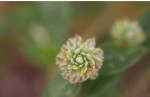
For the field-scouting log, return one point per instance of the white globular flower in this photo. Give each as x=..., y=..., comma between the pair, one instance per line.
x=79, y=60
x=125, y=32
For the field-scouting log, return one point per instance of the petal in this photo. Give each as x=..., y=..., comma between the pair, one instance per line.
x=60, y=63
x=60, y=56
x=99, y=52
x=90, y=42
x=78, y=38
x=94, y=76
x=64, y=48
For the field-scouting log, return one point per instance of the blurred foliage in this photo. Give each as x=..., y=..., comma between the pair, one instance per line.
x=118, y=59
x=40, y=28
x=103, y=86
x=59, y=87
x=145, y=22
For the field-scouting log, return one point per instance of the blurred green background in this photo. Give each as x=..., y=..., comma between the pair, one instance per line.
x=31, y=34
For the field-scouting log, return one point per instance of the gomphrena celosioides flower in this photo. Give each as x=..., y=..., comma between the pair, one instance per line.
x=79, y=60
x=127, y=33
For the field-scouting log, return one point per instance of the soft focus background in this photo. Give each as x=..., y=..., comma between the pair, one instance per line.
x=31, y=34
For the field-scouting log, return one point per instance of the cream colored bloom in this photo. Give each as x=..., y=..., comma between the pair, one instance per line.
x=126, y=32
x=79, y=60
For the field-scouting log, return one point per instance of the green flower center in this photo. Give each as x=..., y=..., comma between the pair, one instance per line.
x=79, y=59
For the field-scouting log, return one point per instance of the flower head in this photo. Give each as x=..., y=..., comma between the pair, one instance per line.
x=125, y=32
x=79, y=60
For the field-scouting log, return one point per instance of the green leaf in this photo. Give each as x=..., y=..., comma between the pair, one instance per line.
x=118, y=59
x=145, y=22
x=60, y=87
x=40, y=54
x=103, y=86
